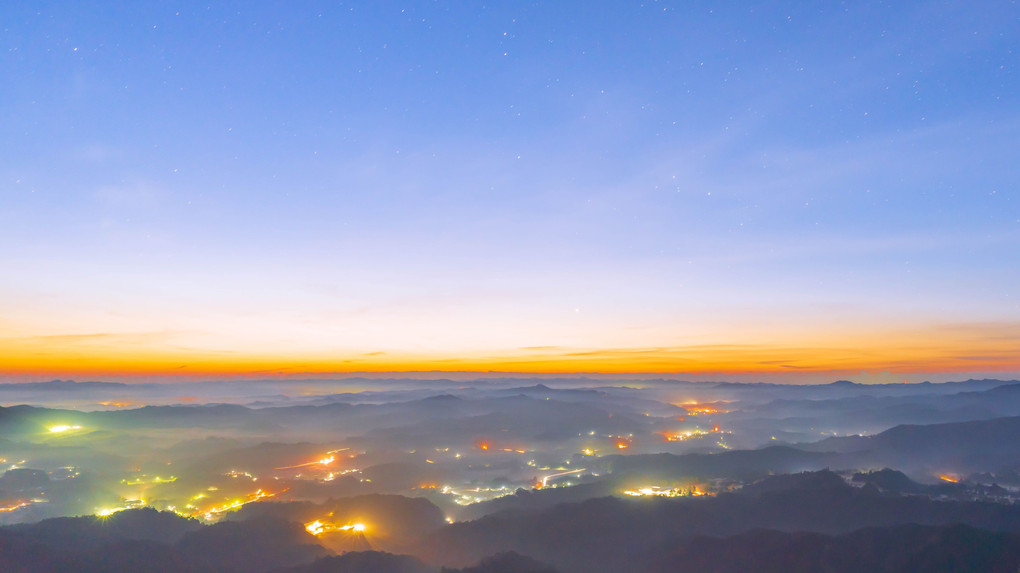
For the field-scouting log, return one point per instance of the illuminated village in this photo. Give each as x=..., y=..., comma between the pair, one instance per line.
x=455, y=473
x=411, y=470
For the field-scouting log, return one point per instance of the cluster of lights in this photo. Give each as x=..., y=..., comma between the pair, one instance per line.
x=656, y=491
x=486, y=446
x=128, y=504
x=16, y=506
x=232, y=505
x=695, y=409
x=327, y=459
x=545, y=480
x=318, y=527
x=200, y=505
x=476, y=495
x=621, y=442
x=692, y=434
x=142, y=480
x=703, y=410
x=323, y=462
x=333, y=475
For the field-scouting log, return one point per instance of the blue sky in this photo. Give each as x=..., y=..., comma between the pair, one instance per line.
x=436, y=180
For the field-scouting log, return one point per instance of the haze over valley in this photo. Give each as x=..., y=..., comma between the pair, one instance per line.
x=471, y=473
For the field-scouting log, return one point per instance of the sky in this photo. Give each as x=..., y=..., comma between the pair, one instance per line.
x=733, y=190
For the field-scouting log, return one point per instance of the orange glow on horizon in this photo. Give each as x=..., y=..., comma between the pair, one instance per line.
x=938, y=350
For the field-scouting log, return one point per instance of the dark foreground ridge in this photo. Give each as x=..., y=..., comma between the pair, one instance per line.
x=812, y=521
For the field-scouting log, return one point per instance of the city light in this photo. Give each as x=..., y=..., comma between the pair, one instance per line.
x=319, y=527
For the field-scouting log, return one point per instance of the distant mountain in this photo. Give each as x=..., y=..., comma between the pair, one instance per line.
x=1004, y=390
x=744, y=465
x=960, y=447
x=440, y=398
x=846, y=389
x=542, y=389
x=18, y=419
x=62, y=386
x=868, y=413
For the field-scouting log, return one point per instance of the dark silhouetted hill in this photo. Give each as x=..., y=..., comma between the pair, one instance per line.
x=889, y=480
x=90, y=532
x=393, y=522
x=148, y=540
x=902, y=549
x=606, y=534
x=362, y=562
x=63, y=386
x=745, y=465
x=896, y=482
x=258, y=544
x=506, y=562
x=23, y=478
x=127, y=557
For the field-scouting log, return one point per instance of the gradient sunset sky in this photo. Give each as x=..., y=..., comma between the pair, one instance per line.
x=725, y=190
